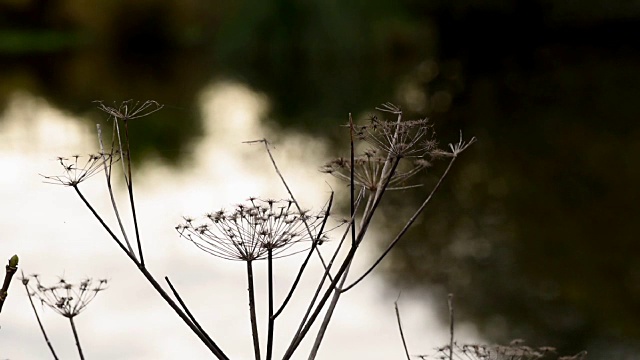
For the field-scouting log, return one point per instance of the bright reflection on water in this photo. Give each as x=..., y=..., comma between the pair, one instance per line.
x=54, y=234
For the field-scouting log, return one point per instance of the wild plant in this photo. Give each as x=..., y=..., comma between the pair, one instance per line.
x=65, y=298
x=266, y=229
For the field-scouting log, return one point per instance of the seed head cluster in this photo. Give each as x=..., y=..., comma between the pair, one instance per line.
x=391, y=141
x=251, y=229
x=368, y=170
x=77, y=169
x=65, y=298
x=128, y=110
x=514, y=351
x=411, y=138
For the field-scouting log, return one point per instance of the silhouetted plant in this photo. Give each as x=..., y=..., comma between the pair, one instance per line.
x=66, y=299
x=25, y=283
x=516, y=350
x=268, y=229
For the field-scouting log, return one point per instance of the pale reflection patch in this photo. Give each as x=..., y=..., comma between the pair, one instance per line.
x=55, y=234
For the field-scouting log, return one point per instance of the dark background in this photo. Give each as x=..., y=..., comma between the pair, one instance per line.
x=535, y=231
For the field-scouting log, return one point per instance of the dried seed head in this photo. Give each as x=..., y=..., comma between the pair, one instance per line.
x=251, y=230
x=370, y=171
x=399, y=138
x=128, y=110
x=65, y=298
x=75, y=170
x=514, y=351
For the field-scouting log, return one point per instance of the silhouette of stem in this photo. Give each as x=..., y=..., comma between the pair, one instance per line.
x=75, y=336
x=44, y=333
x=252, y=310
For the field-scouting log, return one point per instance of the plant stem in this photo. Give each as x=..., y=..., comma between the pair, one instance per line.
x=352, y=185
x=327, y=317
x=450, y=303
x=252, y=310
x=205, y=339
x=345, y=264
x=107, y=173
x=130, y=190
x=104, y=225
x=271, y=317
x=404, y=342
x=314, y=244
x=44, y=333
x=404, y=229
x=186, y=310
x=75, y=336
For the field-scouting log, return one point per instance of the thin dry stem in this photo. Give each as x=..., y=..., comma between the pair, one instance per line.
x=404, y=341
x=451, y=339
x=75, y=336
x=107, y=172
x=204, y=338
x=293, y=198
x=252, y=310
x=25, y=282
x=303, y=266
x=404, y=229
x=186, y=310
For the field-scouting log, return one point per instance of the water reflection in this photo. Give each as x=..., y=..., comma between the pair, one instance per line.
x=54, y=234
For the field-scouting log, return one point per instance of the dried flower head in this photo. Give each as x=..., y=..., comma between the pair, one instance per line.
x=65, y=298
x=251, y=229
x=399, y=138
x=77, y=168
x=514, y=351
x=369, y=171
x=129, y=109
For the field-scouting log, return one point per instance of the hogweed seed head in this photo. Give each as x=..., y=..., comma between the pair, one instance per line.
x=369, y=171
x=252, y=229
x=514, y=351
x=128, y=110
x=393, y=142
x=65, y=298
x=77, y=169
x=399, y=138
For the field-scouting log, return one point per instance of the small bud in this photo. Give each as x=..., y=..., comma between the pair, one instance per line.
x=13, y=261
